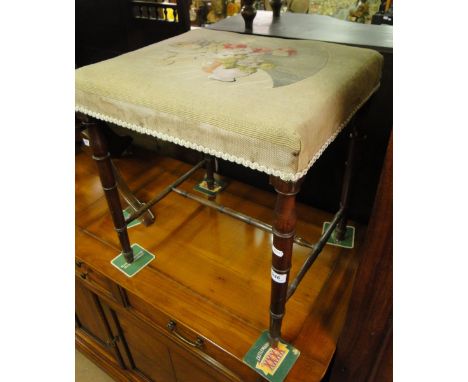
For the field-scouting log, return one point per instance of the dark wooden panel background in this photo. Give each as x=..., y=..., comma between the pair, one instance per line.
x=365, y=348
x=107, y=28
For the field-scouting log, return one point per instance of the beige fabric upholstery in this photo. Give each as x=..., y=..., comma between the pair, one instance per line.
x=269, y=104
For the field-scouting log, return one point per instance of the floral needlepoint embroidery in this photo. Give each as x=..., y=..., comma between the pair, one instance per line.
x=284, y=52
x=228, y=62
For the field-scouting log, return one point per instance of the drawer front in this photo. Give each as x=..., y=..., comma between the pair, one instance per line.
x=188, y=368
x=91, y=322
x=146, y=350
x=88, y=318
x=204, y=352
x=99, y=282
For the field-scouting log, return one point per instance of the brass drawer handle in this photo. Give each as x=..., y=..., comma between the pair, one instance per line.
x=84, y=275
x=172, y=326
x=78, y=263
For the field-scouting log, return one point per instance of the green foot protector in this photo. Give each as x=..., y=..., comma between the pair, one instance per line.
x=126, y=213
x=273, y=364
x=202, y=187
x=142, y=259
x=347, y=242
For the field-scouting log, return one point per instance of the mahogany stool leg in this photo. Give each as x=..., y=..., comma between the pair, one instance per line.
x=102, y=157
x=147, y=218
x=210, y=165
x=284, y=228
x=340, y=229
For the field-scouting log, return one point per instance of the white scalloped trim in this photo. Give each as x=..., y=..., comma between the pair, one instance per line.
x=288, y=177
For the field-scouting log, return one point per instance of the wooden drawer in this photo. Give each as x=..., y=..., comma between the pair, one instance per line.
x=188, y=368
x=199, y=348
x=91, y=323
x=98, y=282
x=87, y=315
x=147, y=353
x=152, y=353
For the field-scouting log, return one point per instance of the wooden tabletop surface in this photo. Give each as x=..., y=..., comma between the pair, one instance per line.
x=313, y=27
x=215, y=268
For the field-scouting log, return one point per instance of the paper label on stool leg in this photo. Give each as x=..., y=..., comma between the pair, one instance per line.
x=277, y=277
x=277, y=252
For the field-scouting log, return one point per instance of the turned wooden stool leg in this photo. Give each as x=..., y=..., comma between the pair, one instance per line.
x=102, y=157
x=284, y=228
x=210, y=165
x=147, y=218
x=276, y=7
x=340, y=229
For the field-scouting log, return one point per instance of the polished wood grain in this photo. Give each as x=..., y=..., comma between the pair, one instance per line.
x=102, y=358
x=212, y=273
x=365, y=347
x=188, y=369
x=149, y=355
x=87, y=315
x=91, y=321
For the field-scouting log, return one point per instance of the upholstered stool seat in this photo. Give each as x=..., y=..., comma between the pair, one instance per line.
x=269, y=104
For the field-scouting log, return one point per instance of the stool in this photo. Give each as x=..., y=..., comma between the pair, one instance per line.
x=202, y=89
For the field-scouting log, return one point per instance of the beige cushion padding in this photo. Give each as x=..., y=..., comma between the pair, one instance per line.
x=269, y=104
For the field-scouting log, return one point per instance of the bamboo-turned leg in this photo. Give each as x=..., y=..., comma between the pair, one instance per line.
x=147, y=218
x=210, y=165
x=340, y=229
x=283, y=237
x=102, y=157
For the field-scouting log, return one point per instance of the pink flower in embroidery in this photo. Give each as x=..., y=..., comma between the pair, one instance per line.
x=285, y=52
x=261, y=50
x=235, y=46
